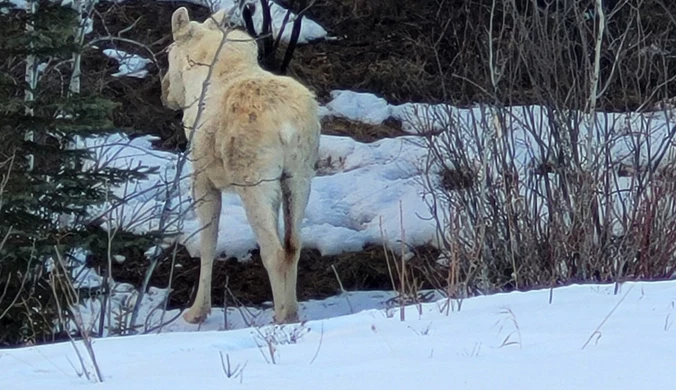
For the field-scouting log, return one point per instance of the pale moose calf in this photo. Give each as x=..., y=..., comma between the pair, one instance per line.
x=258, y=135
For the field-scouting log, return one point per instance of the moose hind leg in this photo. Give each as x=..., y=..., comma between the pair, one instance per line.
x=208, y=205
x=295, y=195
x=261, y=203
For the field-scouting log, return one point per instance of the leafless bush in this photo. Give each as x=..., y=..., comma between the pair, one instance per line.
x=269, y=338
x=557, y=192
x=63, y=289
x=406, y=285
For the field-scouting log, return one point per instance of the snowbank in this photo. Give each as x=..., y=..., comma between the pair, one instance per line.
x=506, y=341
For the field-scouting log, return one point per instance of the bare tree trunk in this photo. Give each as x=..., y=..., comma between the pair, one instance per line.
x=84, y=8
x=594, y=82
x=31, y=78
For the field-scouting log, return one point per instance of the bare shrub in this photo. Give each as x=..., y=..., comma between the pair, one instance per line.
x=557, y=192
x=63, y=289
x=269, y=338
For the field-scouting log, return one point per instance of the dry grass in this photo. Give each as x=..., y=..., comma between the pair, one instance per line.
x=248, y=281
x=360, y=131
x=564, y=216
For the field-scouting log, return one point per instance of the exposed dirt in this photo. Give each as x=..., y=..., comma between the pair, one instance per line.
x=375, y=49
x=360, y=131
x=248, y=281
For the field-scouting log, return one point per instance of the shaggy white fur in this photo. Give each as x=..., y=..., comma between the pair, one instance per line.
x=251, y=132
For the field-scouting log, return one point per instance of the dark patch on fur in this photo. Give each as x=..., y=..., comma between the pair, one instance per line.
x=252, y=117
x=289, y=249
x=290, y=245
x=231, y=151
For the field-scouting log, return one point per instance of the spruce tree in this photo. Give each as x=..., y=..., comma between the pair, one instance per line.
x=41, y=174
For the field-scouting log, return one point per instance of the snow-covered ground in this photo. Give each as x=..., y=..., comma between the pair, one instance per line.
x=362, y=188
x=506, y=341
x=355, y=201
x=356, y=339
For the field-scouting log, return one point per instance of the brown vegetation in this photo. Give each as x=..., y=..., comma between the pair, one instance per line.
x=248, y=281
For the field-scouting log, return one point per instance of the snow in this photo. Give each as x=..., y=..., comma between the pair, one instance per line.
x=359, y=191
x=524, y=139
x=130, y=65
x=508, y=341
x=528, y=129
x=361, y=188
x=357, y=198
x=309, y=30
x=419, y=117
x=153, y=317
x=363, y=107
x=515, y=340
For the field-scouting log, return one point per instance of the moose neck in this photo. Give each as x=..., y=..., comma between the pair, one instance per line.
x=207, y=88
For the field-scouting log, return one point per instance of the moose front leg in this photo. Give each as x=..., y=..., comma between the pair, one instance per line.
x=208, y=205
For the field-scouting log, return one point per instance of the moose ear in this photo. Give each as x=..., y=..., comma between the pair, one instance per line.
x=215, y=21
x=179, y=22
